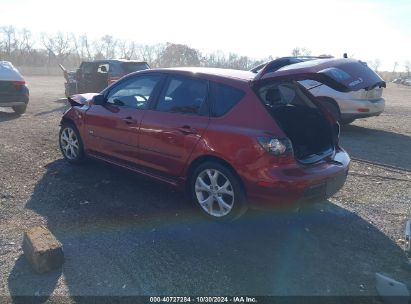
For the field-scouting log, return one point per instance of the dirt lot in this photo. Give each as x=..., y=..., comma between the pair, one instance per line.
x=125, y=235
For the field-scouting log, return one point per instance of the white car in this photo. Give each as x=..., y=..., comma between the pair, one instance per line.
x=350, y=106
x=346, y=107
x=13, y=89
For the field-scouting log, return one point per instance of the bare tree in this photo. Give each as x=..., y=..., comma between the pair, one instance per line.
x=297, y=51
x=375, y=64
x=58, y=46
x=85, y=46
x=9, y=38
x=24, y=42
x=77, y=49
x=126, y=49
x=98, y=49
x=407, y=66
x=108, y=46
x=150, y=53
x=395, y=66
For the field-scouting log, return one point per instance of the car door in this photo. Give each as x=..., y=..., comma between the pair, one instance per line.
x=112, y=128
x=172, y=128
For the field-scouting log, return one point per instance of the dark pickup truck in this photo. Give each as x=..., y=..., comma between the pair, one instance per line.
x=94, y=76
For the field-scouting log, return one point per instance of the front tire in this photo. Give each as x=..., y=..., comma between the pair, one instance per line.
x=217, y=192
x=71, y=145
x=19, y=109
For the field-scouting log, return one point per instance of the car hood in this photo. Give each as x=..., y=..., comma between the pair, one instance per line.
x=81, y=99
x=344, y=75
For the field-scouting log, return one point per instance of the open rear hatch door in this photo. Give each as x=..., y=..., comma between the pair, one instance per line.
x=311, y=128
x=343, y=75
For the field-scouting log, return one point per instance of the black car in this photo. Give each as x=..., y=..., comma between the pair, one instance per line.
x=13, y=89
x=94, y=76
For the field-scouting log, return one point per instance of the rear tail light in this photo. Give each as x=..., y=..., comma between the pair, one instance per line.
x=363, y=110
x=276, y=146
x=18, y=84
x=112, y=80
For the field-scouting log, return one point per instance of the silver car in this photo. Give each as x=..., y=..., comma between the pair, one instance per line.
x=350, y=106
x=346, y=107
x=14, y=92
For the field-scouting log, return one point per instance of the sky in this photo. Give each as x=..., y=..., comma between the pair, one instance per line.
x=365, y=29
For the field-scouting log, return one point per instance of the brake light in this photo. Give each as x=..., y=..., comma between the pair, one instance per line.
x=18, y=83
x=113, y=80
x=276, y=146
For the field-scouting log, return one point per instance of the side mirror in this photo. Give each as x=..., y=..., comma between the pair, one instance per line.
x=99, y=100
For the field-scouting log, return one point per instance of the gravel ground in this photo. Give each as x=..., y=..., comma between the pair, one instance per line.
x=125, y=235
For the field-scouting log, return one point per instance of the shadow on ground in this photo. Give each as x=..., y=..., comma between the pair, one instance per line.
x=53, y=109
x=23, y=282
x=6, y=116
x=124, y=235
x=377, y=146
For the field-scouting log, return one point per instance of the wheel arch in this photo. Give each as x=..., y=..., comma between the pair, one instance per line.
x=66, y=120
x=212, y=158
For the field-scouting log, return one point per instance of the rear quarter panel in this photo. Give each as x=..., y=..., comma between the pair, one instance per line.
x=233, y=138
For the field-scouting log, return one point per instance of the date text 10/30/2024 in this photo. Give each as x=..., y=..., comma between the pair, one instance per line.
x=166, y=299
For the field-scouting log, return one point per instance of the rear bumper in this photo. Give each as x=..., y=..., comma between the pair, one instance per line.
x=287, y=187
x=360, y=108
x=13, y=100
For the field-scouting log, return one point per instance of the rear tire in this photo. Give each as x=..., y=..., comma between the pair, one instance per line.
x=71, y=145
x=19, y=109
x=217, y=192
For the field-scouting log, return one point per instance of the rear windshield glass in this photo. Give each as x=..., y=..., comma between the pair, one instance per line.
x=9, y=72
x=280, y=94
x=130, y=67
x=226, y=97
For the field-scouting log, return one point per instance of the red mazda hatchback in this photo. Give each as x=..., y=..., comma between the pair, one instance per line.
x=232, y=139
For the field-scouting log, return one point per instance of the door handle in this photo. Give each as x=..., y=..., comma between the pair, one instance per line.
x=129, y=120
x=187, y=130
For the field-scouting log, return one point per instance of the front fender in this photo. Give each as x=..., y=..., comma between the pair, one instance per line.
x=75, y=115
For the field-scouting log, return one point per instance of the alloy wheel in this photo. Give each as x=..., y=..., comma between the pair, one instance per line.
x=214, y=192
x=69, y=143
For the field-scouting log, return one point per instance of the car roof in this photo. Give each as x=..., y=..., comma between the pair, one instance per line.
x=114, y=61
x=225, y=73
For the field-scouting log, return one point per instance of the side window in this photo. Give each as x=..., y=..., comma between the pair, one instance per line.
x=103, y=68
x=183, y=95
x=135, y=92
x=225, y=98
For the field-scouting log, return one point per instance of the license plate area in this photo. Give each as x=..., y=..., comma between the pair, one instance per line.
x=327, y=188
